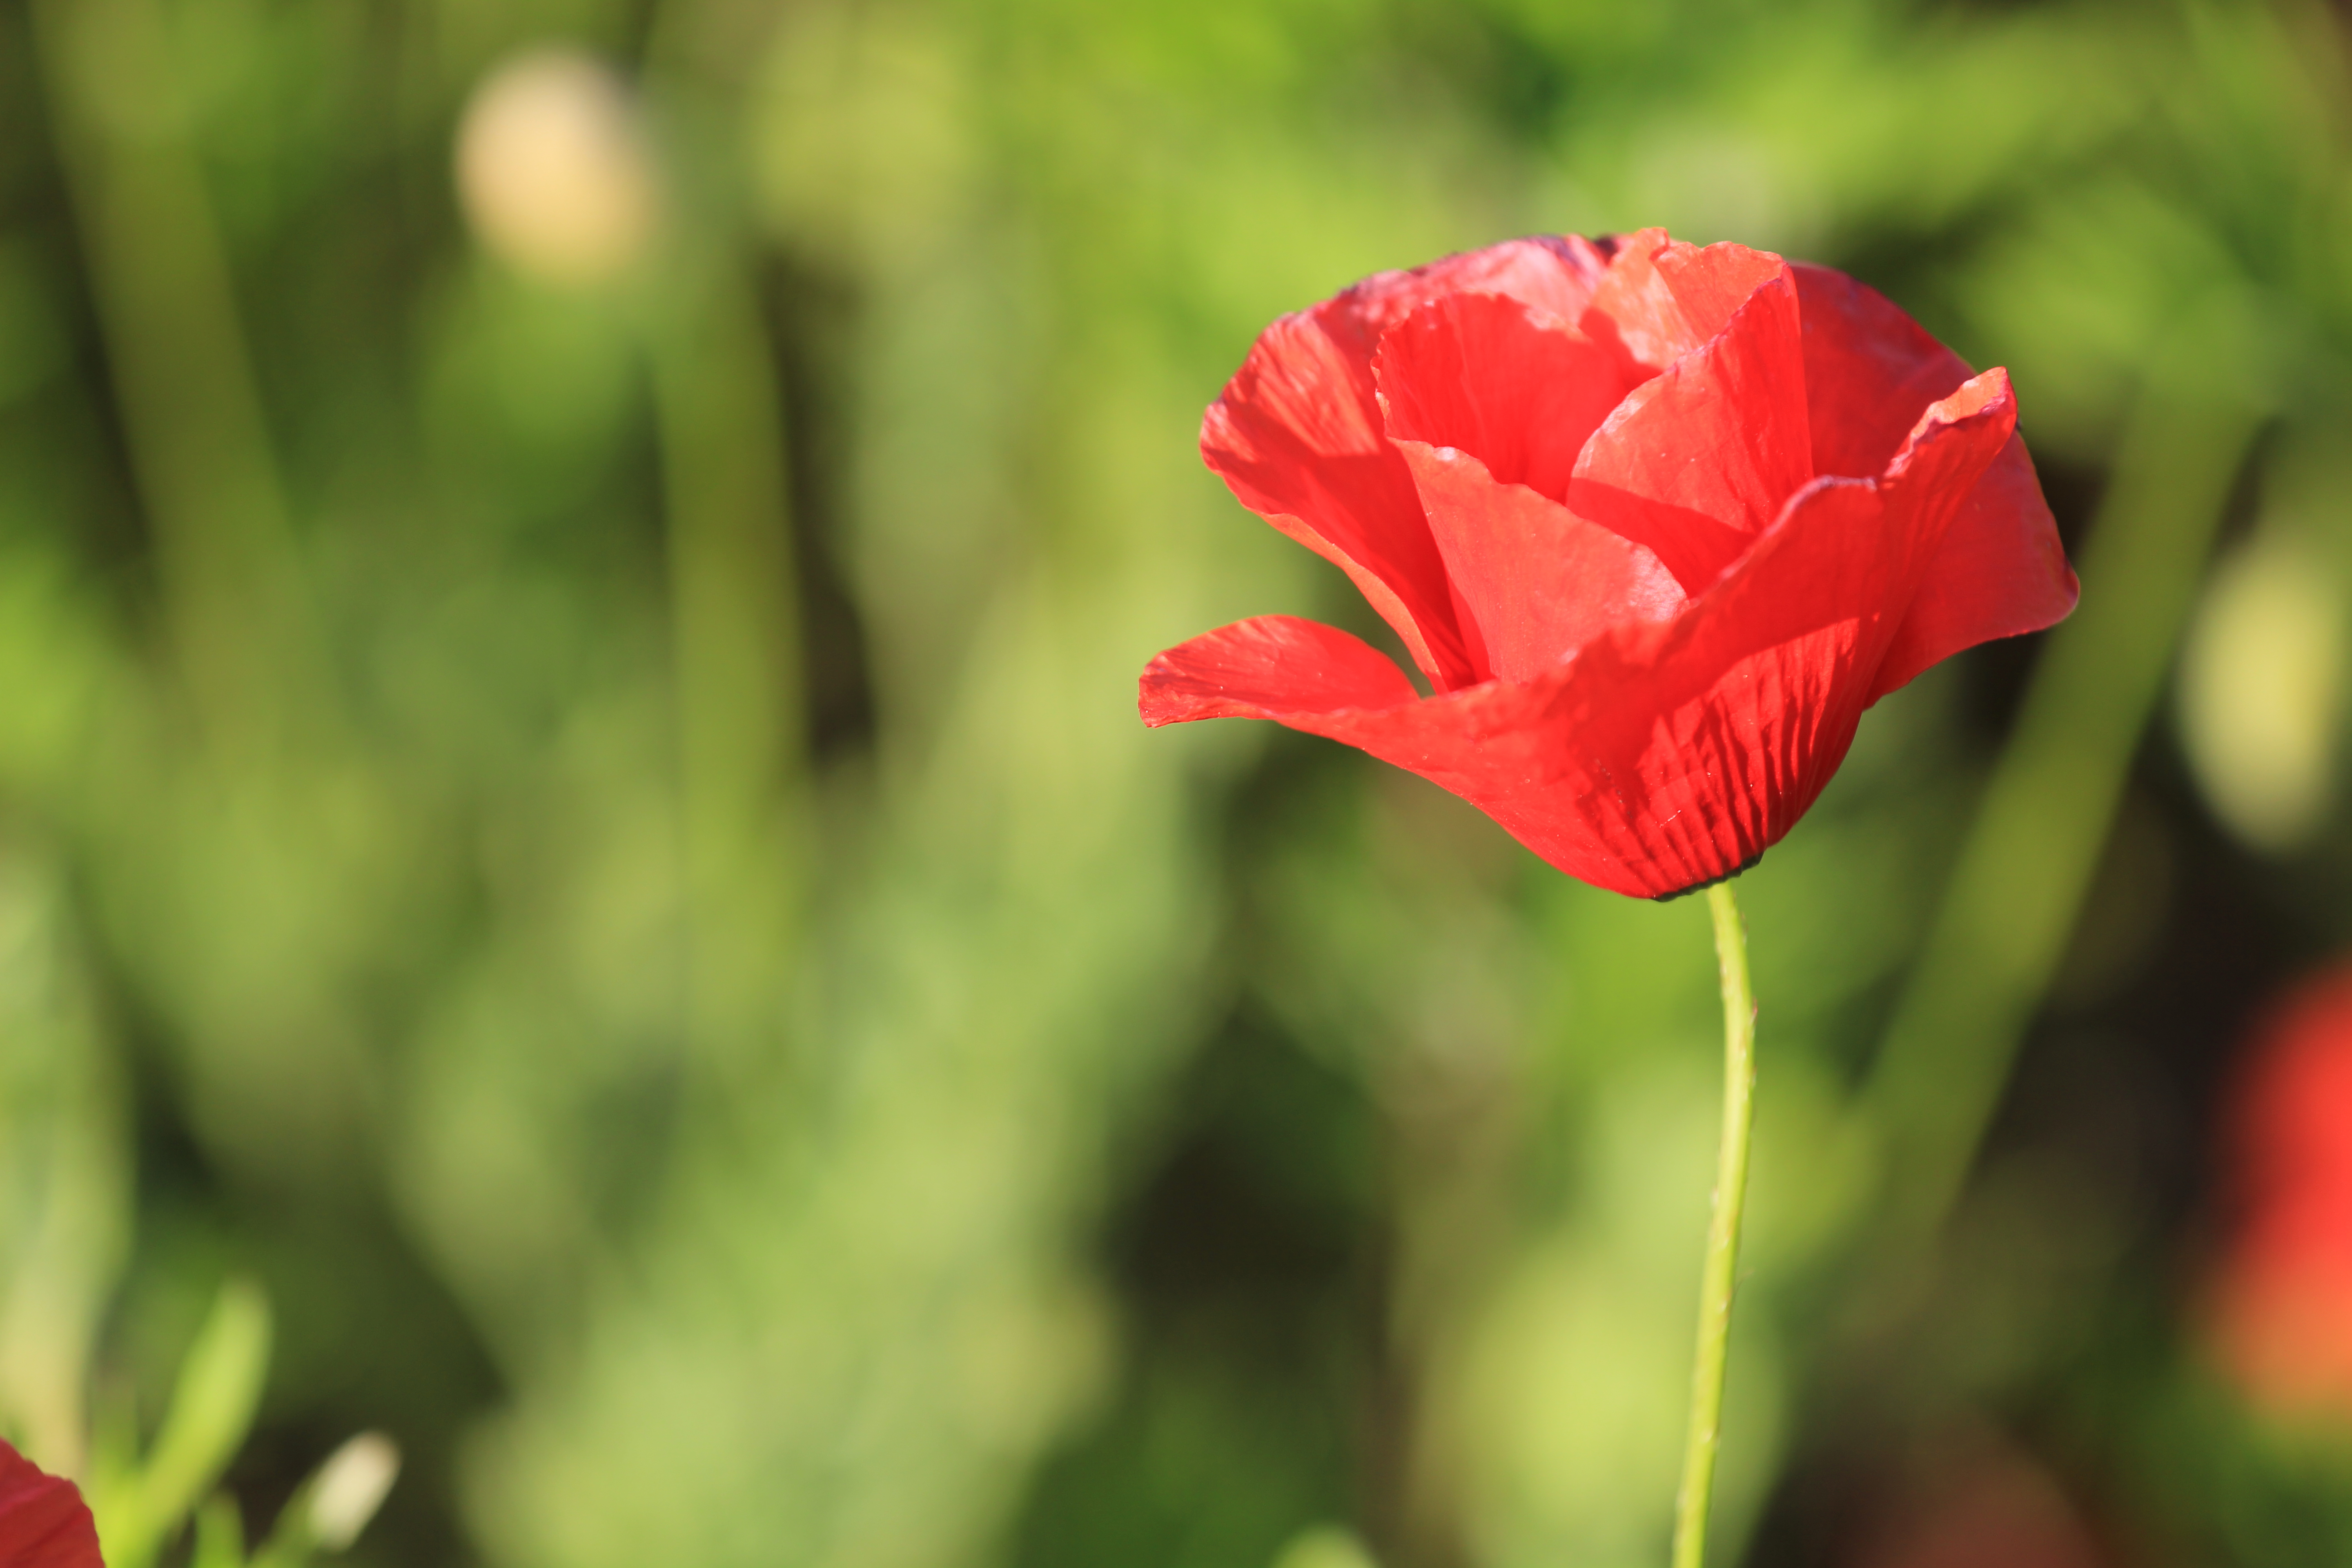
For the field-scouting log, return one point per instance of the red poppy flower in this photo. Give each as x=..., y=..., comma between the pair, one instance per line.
x=2282, y=1299
x=42, y=1523
x=1655, y=523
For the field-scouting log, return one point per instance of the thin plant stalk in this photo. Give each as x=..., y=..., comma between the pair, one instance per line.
x=182, y=372
x=2049, y=807
x=1719, y=1279
x=735, y=629
x=734, y=596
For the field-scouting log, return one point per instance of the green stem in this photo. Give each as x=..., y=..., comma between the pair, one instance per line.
x=736, y=652
x=181, y=369
x=1719, y=1279
x=734, y=600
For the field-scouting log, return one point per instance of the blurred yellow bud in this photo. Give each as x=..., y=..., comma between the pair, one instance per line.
x=2261, y=683
x=1324, y=1547
x=554, y=171
x=350, y=1487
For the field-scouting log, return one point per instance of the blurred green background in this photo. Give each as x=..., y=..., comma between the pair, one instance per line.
x=572, y=577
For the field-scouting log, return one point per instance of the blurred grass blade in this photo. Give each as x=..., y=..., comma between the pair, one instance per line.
x=220, y=1535
x=2014, y=896
x=65, y=1179
x=199, y=446
x=212, y=1410
x=735, y=629
x=735, y=603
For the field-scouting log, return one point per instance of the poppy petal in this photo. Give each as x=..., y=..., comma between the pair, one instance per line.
x=1299, y=442
x=1553, y=273
x=42, y=1522
x=1537, y=580
x=2002, y=570
x=1296, y=434
x=1869, y=369
x=1270, y=667
x=1662, y=299
x=1697, y=462
x=1999, y=571
x=1633, y=309
x=1519, y=391
x=1711, y=283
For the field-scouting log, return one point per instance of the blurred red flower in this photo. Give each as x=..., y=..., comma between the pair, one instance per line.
x=42, y=1523
x=1657, y=523
x=2280, y=1307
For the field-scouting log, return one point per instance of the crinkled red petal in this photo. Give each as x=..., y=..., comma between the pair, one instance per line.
x=2001, y=572
x=1520, y=391
x=1633, y=309
x=43, y=1523
x=1270, y=665
x=1711, y=283
x=1490, y=401
x=1697, y=462
x=1555, y=274
x=1537, y=580
x=1298, y=444
x=1298, y=434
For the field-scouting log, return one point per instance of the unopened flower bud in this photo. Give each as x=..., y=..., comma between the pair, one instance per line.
x=554, y=169
x=350, y=1487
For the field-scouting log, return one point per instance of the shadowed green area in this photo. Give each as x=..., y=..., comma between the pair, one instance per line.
x=571, y=577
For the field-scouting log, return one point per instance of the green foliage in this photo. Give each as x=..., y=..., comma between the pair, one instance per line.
x=577, y=813
x=144, y=1502
x=139, y=1502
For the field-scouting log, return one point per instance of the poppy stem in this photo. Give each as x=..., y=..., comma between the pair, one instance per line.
x=1719, y=1279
